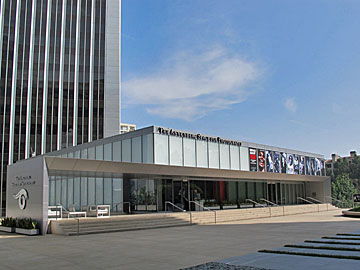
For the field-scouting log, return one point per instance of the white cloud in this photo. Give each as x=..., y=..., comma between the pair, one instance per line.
x=191, y=84
x=291, y=105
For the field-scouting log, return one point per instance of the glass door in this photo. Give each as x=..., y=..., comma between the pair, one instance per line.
x=181, y=194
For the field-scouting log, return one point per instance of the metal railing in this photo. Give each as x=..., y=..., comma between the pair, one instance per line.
x=173, y=205
x=269, y=202
x=208, y=209
x=305, y=200
x=336, y=200
x=315, y=200
x=255, y=203
x=123, y=204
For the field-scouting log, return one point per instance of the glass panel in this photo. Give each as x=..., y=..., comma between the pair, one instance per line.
x=251, y=190
x=84, y=153
x=107, y=152
x=224, y=156
x=77, y=154
x=126, y=150
x=70, y=186
x=189, y=152
x=77, y=193
x=147, y=149
x=99, y=191
x=161, y=149
x=244, y=159
x=176, y=153
x=91, y=191
x=84, y=187
x=136, y=149
x=213, y=155
x=201, y=154
x=117, y=194
x=100, y=152
x=58, y=190
x=234, y=157
x=63, y=191
x=117, y=151
x=52, y=185
x=260, y=191
x=242, y=191
x=91, y=153
x=107, y=191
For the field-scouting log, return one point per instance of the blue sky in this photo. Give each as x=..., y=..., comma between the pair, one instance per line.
x=284, y=73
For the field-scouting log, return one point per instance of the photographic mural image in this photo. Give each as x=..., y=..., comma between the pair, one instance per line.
x=317, y=167
x=283, y=162
x=269, y=161
x=253, y=160
x=261, y=160
x=302, y=165
x=277, y=162
x=308, y=166
x=290, y=164
x=313, y=166
x=296, y=164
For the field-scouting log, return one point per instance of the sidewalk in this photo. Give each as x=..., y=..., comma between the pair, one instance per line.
x=170, y=248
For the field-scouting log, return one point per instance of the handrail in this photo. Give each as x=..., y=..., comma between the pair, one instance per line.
x=305, y=200
x=315, y=200
x=167, y=202
x=269, y=202
x=256, y=203
x=336, y=200
x=123, y=203
x=208, y=209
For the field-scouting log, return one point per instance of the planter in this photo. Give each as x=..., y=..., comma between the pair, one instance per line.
x=27, y=231
x=7, y=229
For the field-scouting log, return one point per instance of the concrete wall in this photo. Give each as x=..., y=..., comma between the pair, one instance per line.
x=318, y=190
x=31, y=177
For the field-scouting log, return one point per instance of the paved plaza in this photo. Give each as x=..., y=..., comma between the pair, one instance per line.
x=170, y=248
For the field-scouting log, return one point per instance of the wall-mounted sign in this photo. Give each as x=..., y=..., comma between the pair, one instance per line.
x=21, y=196
x=182, y=134
x=261, y=160
x=356, y=197
x=253, y=160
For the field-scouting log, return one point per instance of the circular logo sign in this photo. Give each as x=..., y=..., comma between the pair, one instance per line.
x=21, y=196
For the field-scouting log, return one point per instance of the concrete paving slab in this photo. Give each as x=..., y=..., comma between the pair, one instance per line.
x=293, y=262
x=168, y=248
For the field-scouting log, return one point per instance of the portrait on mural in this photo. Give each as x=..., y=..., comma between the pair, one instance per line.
x=277, y=162
x=283, y=162
x=261, y=160
x=290, y=164
x=308, y=165
x=296, y=164
x=301, y=165
x=269, y=161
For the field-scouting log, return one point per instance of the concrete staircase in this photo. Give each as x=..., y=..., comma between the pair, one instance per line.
x=117, y=223
x=161, y=220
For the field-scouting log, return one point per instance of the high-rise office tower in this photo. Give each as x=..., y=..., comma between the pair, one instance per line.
x=59, y=75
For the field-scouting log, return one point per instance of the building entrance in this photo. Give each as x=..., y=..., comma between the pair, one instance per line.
x=181, y=194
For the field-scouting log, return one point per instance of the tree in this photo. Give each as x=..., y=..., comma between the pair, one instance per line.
x=342, y=188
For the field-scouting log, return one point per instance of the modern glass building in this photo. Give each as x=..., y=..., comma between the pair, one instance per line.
x=59, y=76
x=150, y=169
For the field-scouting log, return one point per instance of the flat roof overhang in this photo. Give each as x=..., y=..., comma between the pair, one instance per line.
x=68, y=165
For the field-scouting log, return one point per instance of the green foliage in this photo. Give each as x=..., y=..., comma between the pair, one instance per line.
x=343, y=167
x=342, y=188
x=26, y=223
x=8, y=222
x=356, y=209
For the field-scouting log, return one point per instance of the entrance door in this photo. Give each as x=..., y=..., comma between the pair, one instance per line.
x=272, y=192
x=181, y=194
